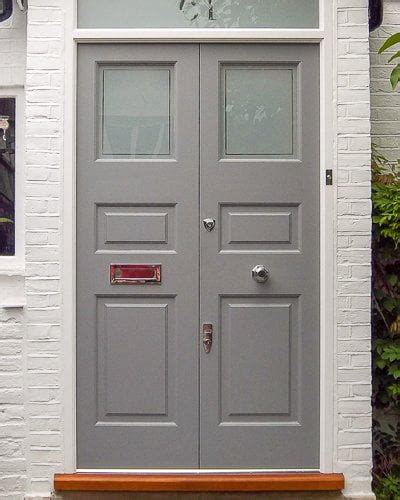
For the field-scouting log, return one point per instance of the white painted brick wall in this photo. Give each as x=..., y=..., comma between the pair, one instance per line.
x=12, y=408
x=385, y=103
x=34, y=446
x=44, y=143
x=353, y=431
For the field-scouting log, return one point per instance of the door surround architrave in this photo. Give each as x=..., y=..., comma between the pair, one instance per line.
x=323, y=36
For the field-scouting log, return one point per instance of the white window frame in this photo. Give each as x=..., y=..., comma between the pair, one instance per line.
x=14, y=264
x=326, y=37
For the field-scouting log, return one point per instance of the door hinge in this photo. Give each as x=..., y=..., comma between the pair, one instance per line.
x=329, y=177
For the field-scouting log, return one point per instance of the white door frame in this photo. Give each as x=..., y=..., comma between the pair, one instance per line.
x=325, y=36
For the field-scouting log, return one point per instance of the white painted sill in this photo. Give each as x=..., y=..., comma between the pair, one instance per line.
x=12, y=288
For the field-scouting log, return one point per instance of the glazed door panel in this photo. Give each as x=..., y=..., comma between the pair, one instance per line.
x=259, y=156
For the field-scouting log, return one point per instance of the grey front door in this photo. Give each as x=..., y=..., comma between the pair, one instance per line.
x=259, y=167
x=168, y=136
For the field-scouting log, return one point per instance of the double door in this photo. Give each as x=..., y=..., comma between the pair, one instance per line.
x=198, y=256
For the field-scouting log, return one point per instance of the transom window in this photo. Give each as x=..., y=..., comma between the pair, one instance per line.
x=198, y=14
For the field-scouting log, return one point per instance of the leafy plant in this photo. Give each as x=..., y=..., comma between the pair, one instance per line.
x=387, y=461
x=386, y=325
x=386, y=313
x=389, y=43
x=388, y=488
x=386, y=198
x=386, y=282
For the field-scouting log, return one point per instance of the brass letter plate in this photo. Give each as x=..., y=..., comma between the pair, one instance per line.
x=135, y=274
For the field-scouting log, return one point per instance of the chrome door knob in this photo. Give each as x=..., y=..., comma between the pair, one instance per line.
x=260, y=273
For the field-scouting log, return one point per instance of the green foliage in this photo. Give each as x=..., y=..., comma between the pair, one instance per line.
x=387, y=207
x=387, y=461
x=386, y=312
x=388, y=488
x=387, y=365
x=389, y=43
x=386, y=325
x=386, y=282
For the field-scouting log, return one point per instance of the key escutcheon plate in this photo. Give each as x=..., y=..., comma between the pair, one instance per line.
x=209, y=224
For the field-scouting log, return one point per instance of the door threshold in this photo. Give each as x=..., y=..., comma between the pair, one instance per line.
x=233, y=482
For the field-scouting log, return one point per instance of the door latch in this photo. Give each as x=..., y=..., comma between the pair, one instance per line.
x=329, y=177
x=207, y=336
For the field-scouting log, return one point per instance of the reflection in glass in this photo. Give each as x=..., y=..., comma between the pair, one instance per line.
x=7, y=176
x=198, y=14
x=258, y=111
x=136, y=111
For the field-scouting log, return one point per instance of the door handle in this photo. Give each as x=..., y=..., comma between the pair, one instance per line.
x=207, y=337
x=260, y=274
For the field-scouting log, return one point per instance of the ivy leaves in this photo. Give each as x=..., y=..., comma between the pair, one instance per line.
x=387, y=206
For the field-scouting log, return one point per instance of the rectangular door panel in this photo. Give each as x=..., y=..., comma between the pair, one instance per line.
x=136, y=340
x=259, y=359
x=259, y=228
x=137, y=197
x=136, y=228
x=259, y=136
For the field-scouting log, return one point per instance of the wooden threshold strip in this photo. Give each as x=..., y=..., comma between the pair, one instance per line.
x=199, y=482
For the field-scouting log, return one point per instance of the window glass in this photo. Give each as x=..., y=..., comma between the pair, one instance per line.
x=7, y=176
x=136, y=111
x=259, y=110
x=198, y=13
x=5, y=9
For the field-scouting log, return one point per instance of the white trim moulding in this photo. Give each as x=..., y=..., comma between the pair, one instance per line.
x=199, y=35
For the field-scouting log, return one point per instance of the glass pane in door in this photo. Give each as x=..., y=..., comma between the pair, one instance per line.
x=259, y=110
x=135, y=111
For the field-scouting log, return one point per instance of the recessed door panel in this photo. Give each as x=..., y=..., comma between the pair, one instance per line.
x=259, y=228
x=259, y=366
x=136, y=339
x=136, y=228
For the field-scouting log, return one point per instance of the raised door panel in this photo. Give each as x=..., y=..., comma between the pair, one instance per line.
x=259, y=359
x=136, y=365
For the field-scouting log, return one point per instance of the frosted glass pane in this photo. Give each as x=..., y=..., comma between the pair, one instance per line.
x=258, y=111
x=136, y=111
x=198, y=13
